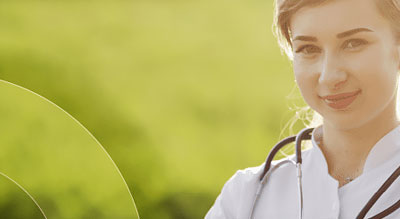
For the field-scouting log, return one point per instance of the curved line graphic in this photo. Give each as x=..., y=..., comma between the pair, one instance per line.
x=23, y=189
x=94, y=138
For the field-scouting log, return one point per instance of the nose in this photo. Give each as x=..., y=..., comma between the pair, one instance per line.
x=333, y=75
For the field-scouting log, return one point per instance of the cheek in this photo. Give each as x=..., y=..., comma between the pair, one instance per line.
x=301, y=73
x=306, y=81
x=366, y=69
x=376, y=73
x=376, y=70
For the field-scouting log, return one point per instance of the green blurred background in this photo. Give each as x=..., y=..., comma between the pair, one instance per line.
x=181, y=93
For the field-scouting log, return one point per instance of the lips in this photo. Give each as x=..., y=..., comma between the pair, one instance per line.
x=341, y=101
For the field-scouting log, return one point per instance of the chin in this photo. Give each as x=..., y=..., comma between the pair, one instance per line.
x=352, y=119
x=344, y=119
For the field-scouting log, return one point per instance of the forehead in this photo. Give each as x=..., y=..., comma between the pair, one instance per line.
x=337, y=16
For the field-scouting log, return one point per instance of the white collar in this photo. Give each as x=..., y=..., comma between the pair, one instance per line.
x=383, y=150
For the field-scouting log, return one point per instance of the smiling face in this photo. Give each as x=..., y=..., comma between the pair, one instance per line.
x=346, y=62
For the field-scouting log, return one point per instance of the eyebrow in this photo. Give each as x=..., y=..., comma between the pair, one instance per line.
x=340, y=35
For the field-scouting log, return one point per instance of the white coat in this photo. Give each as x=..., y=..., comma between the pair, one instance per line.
x=323, y=199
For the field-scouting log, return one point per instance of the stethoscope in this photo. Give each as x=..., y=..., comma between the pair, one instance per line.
x=305, y=134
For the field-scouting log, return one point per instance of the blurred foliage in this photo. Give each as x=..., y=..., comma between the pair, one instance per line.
x=14, y=203
x=51, y=158
x=180, y=93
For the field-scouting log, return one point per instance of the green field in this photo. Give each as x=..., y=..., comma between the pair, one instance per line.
x=180, y=93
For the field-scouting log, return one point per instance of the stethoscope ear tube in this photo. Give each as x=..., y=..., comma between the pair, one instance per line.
x=303, y=135
x=273, y=152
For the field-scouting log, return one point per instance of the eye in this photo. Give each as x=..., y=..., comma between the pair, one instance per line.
x=308, y=49
x=354, y=44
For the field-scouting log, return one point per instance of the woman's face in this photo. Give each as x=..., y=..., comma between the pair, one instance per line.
x=346, y=48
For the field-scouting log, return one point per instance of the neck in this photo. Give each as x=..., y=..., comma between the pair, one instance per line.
x=346, y=150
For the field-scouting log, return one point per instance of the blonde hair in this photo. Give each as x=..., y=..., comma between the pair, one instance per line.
x=285, y=9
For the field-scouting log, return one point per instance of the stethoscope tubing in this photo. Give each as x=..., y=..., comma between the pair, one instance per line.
x=389, y=181
x=305, y=134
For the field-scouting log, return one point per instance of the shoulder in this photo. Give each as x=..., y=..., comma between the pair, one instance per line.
x=233, y=193
x=238, y=192
x=246, y=175
x=251, y=175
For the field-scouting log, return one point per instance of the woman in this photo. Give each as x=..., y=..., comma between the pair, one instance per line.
x=346, y=61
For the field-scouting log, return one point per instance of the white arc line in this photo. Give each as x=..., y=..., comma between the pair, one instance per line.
x=23, y=189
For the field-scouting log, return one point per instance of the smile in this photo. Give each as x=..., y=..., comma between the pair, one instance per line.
x=341, y=101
